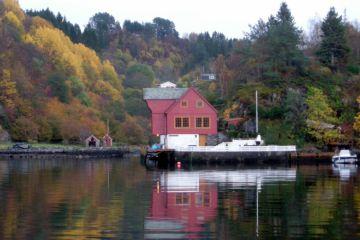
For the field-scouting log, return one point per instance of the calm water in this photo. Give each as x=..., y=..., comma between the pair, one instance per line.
x=112, y=199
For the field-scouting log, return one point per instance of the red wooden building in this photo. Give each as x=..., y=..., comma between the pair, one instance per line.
x=182, y=117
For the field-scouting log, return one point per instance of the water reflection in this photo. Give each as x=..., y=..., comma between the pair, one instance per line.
x=72, y=199
x=345, y=171
x=184, y=202
x=120, y=199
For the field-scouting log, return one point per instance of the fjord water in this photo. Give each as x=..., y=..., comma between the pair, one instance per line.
x=120, y=199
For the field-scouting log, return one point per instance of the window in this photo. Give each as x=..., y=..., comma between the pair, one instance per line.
x=182, y=198
x=185, y=122
x=199, y=122
x=202, y=122
x=199, y=104
x=202, y=199
x=206, y=122
x=184, y=104
x=178, y=123
x=182, y=122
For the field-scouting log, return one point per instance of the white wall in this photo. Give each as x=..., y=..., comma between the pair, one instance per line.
x=162, y=139
x=182, y=140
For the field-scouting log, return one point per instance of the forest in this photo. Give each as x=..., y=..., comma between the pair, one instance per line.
x=59, y=83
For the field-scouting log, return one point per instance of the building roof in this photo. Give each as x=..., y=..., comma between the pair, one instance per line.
x=92, y=136
x=163, y=93
x=168, y=85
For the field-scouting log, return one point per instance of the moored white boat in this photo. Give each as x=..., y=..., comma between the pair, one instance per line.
x=344, y=156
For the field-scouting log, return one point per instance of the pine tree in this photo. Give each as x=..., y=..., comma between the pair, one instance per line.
x=284, y=39
x=277, y=44
x=333, y=51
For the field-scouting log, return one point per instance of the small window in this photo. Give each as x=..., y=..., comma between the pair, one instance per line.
x=184, y=104
x=185, y=122
x=199, y=122
x=206, y=122
x=178, y=122
x=199, y=104
x=206, y=199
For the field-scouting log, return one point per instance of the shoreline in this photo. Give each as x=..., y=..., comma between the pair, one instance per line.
x=77, y=153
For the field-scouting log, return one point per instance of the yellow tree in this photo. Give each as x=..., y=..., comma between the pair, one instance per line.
x=8, y=91
x=321, y=118
x=357, y=119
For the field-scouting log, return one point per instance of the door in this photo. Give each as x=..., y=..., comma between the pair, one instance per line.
x=202, y=140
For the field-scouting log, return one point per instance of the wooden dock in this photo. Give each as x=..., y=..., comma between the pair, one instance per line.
x=165, y=158
x=170, y=157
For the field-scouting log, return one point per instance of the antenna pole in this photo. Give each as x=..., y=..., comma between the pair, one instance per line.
x=257, y=114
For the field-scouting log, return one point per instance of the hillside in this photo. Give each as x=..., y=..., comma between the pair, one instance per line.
x=51, y=88
x=60, y=83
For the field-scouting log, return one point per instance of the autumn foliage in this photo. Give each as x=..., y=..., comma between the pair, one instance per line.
x=50, y=88
x=307, y=81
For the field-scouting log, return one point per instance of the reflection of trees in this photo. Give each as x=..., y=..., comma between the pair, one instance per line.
x=79, y=199
x=67, y=199
x=316, y=205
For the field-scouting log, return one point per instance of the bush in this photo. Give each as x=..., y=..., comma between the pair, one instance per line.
x=24, y=129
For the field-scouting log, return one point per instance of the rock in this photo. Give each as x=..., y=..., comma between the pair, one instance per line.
x=214, y=140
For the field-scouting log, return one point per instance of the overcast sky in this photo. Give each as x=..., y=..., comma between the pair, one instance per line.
x=231, y=17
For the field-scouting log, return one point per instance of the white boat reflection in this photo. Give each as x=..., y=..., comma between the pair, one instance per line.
x=345, y=171
x=182, y=181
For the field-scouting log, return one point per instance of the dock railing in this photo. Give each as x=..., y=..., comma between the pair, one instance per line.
x=270, y=148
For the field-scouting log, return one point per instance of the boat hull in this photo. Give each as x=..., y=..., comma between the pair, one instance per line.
x=344, y=160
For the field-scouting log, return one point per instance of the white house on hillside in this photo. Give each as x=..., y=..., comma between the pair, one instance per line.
x=168, y=85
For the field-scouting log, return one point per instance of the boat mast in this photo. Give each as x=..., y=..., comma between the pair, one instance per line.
x=257, y=114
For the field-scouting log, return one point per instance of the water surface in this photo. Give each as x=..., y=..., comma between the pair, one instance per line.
x=120, y=199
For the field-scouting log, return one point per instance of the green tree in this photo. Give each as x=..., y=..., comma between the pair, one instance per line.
x=100, y=31
x=295, y=111
x=139, y=76
x=321, y=118
x=59, y=88
x=333, y=50
x=71, y=30
x=134, y=104
x=276, y=46
x=285, y=38
x=165, y=28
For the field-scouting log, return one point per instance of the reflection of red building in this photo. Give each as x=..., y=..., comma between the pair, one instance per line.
x=181, y=213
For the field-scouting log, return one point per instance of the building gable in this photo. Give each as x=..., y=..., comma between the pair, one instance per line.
x=191, y=96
